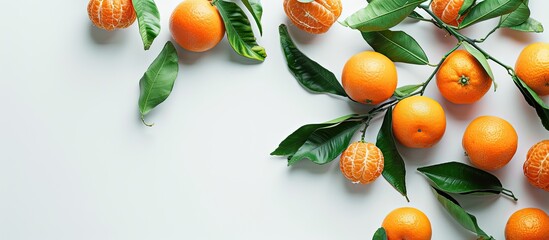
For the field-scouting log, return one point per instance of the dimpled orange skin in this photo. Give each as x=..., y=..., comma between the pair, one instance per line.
x=407, y=224
x=111, y=14
x=196, y=25
x=369, y=77
x=418, y=122
x=527, y=224
x=361, y=162
x=532, y=67
x=536, y=166
x=448, y=11
x=315, y=17
x=461, y=79
x=490, y=142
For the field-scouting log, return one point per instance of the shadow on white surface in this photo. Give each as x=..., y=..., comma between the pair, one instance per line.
x=461, y=112
x=103, y=37
x=300, y=37
x=525, y=38
x=534, y=194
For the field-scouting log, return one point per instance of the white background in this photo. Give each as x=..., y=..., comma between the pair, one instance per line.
x=78, y=164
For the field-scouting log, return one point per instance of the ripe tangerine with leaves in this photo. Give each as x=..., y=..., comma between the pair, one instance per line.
x=448, y=11
x=369, y=77
x=418, y=122
x=527, y=223
x=407, y=223
x=490, y=142
x=313, y=17
x=461, y=78
x=536, y=166
x=196, y=25
x=532, y=67
x=361, y=162
x=111, y=14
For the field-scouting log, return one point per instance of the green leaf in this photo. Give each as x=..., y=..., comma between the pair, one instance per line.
x=489, y=9
x=466, y=6
x=380, y=234
x=381, y=15
x=455, y=177
x=405, y=91
x=325, y=144
x=517, y=17
x=307, y=72
x=148, y=20
x=157, y=82
x=397, y=46
x=415, y=15
x=482, y=60
x=394, y=171
x=531, y=25
x=239, y=31
x=465, y=219
x=255, y=8
x=294, y=141
x=534, y=100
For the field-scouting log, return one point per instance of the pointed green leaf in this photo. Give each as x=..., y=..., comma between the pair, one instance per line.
x=325, y=144
x=148, y=20
x=255, y=8
x=467, y=4
x=534, y=100
x=517, y=17
x=380, y=234
x=531, y=25
x=397, y=46
x=381, y=15
x=489, y=9
x=405, y=91
x=239, y=31
x=294, y=141
x=455, y=177
x=482, y=60
x=157, y=82
x=465, y=219
x=394, y=170
x=307, y=72
x=415, y=15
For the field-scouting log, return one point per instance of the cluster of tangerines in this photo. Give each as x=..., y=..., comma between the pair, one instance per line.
x=489, y=142
x=195, y=25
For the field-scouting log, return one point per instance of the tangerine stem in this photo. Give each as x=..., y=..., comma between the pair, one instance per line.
x=462, y=38
x=487, y=35
x=509, y=193
x=146, y=124
x=422, y=91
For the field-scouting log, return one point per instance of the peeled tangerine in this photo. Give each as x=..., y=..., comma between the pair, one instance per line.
x=361, y=162
x=111, y=14
x=536, y=166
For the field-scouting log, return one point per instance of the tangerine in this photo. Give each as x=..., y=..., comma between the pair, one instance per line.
x=532, y=67
x=536, y=166
x=369, y=77
x=407, y=223
x=314, y=17
x=418, y=122
x=461, y=79
x=490, y=142
x=527, y=223
x=448, y=11
x=111, y=14
x=361, y=162
x=196, y=25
